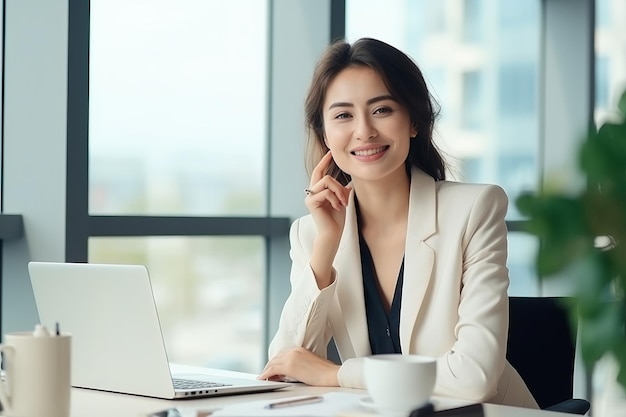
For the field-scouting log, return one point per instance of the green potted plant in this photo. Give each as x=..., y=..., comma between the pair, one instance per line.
x=582, y=236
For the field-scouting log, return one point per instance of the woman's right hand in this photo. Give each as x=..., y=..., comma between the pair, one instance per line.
x=326, y=199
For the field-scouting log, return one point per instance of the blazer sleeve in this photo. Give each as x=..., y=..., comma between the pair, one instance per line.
x=473, y=366
x=304, y=318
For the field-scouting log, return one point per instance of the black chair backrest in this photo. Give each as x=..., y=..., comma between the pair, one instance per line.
x=541, y=347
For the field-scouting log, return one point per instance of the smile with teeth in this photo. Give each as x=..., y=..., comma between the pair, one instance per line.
x=369, y=152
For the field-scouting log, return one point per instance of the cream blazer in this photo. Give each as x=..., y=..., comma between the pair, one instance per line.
x=454, y=296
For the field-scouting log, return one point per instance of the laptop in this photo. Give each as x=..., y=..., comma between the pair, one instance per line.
x=117, y=343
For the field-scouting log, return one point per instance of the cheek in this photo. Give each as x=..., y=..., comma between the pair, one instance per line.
x=334, y=137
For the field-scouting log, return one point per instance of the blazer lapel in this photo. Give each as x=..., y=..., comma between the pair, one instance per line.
x=350, y=285
x=418, y=255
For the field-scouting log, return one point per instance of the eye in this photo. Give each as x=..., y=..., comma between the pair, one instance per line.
x=382, y=110
x=342, y=116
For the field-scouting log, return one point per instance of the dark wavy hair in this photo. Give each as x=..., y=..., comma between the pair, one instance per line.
x=406, y=85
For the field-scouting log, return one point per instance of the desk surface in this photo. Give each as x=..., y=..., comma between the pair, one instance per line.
x=103, y=404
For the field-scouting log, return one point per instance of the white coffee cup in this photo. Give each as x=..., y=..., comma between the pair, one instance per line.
x=37, y=369
x=399, y=383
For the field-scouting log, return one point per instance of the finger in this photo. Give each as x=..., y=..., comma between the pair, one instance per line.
x=276, y=362
x=342, y=193
x=327, y=182
x=330, y=197
x=271, y=373
x=320, y=169
x=272, y=362
x=337, y=188
x=266, y=372
x=267, y=377
x=263, y=375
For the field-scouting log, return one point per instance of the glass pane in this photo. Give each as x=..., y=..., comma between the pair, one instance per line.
x=481, y=59
x=610, y=58
x=177, y=107
x=209, y=293
x=522, y=253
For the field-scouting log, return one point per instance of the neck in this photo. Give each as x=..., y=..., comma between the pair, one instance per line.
x=383, y=204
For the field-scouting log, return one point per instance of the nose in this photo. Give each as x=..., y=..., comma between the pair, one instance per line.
x=365, y=129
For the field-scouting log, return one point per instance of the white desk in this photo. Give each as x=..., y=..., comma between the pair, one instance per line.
x=89, y=403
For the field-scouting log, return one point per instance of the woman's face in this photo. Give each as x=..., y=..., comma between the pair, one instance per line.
x=368, y=132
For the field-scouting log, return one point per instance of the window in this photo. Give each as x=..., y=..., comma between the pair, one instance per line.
x=610, y=70
x=177, y=127
x=514, y=13
x=602, y=82
x=177, y=121
x=473, y=25
x=603, y=13
x=473, y=109
x=208, y=291
x=517, y=90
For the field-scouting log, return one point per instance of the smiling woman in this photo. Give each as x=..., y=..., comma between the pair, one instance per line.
x=392, y=258
x=390, y=86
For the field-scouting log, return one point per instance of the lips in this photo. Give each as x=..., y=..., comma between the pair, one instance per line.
x=371, y=151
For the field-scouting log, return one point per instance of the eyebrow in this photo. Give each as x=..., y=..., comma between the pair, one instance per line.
x=368, y=102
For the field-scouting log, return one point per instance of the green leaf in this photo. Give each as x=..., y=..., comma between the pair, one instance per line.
x=603, y=156
x=567, y=226
x=601, y=332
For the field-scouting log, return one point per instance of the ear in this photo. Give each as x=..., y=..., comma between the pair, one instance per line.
x=413, y=130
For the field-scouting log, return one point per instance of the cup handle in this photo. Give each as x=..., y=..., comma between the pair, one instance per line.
x=5, y=399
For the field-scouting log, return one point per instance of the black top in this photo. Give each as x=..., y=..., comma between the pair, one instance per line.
x=383, y=327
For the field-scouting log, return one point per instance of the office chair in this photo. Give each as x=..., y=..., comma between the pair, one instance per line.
x=542, y=347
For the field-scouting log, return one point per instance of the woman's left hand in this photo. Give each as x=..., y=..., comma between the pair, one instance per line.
x=302, y=365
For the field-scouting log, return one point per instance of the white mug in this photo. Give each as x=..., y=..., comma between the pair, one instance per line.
x=399, y=383
x=37, y=369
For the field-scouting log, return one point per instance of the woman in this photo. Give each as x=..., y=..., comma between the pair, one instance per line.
x=392, y=257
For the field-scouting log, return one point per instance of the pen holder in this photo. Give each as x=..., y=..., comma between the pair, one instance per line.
x=37, y=369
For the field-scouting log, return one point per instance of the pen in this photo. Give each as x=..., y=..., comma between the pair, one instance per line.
x=296, y=401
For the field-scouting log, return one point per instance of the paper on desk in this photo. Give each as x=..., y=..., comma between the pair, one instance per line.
x=334, y=404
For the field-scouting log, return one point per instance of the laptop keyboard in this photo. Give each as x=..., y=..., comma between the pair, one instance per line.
x=186, y=384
